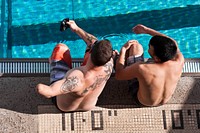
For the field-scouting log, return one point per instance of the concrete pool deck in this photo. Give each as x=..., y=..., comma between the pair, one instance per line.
x=22, y=110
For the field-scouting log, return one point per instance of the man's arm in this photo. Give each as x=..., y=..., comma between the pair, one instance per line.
x=141, y=29
x=88, y=38
x=64, y=86
x=122, y=72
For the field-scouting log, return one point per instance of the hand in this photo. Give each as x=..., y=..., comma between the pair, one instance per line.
x=73, y=25
x=129, y=44
x=115, y=55
x=138, y=29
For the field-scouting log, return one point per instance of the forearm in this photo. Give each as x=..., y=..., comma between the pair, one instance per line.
x=54, y=89
x=141, y=29
x=153, y=32
x=88, y=38
x=122, y=56
x=120, y=63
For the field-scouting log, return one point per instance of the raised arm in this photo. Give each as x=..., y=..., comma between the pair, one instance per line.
x=141, y=29
x=88, y=38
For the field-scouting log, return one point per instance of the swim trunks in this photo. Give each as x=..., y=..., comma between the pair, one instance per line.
x=134, y=59
x=58, y=69
x=133, y=83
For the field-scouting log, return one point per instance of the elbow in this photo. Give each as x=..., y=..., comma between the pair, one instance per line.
x=43, y=90
x=117, y=76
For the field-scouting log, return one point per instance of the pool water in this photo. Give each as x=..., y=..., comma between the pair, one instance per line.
x=34, y=25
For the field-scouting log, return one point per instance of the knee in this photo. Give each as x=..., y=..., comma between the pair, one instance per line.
x=62, y=46
x=136, y=49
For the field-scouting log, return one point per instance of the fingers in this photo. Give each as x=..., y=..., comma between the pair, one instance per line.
x=130, y=43
x=70, y=21
x=138, y=29
x=72, y=25
x=134, y=29
x=115, y=52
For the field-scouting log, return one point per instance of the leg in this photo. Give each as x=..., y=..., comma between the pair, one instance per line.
x=60, y=62
x=61, y=52
x=135, y=54
x=136, y=50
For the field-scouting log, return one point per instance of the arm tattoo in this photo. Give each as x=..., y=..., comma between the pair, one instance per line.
x=108, y=69
x=69, y=84
x=90, y=37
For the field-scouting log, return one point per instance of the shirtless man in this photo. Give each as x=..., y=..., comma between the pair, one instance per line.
x=78, y=89
x=153, y=83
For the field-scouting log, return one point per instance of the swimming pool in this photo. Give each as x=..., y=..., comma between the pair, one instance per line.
x=30, y=29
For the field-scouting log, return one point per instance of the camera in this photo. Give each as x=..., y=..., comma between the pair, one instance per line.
x=64, y=25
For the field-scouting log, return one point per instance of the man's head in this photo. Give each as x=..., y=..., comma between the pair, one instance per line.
x=162, y=47
x=101, y=52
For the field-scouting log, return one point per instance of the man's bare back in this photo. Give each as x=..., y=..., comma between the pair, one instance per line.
x=84, y=85
x=158, y=82
x=80, y=88
x=157, y=79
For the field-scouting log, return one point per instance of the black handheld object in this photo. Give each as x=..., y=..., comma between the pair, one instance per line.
x=64, y=25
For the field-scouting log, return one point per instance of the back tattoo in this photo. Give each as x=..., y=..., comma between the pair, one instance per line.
x=100, y=78
x=72, y=82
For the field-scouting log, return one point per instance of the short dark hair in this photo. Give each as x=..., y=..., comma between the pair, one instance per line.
x=164, y=47
x=101, y=52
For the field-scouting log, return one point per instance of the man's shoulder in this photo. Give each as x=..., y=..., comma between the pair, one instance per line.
x=149, y=67
x=78, y=72
x=110, y=62
x=179, y=57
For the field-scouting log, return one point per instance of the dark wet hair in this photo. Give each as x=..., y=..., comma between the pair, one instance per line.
x=164, y=47
x=101, y=52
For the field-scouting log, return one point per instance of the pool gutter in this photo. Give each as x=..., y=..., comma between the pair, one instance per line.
x=39, y=67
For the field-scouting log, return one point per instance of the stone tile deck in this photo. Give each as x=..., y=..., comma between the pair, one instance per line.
x=22, y=110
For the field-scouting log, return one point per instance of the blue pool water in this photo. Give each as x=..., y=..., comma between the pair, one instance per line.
x=35, y=24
